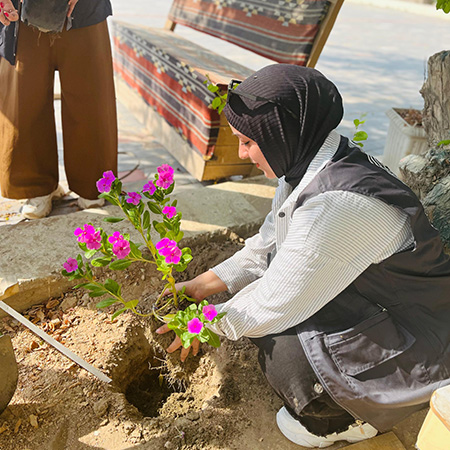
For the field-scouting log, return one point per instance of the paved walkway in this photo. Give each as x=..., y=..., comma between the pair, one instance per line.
x=376, y=55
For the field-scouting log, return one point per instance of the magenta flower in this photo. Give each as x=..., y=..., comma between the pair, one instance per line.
x=85, y=233
x=169, y=211
x=116, y=236
x=71, y=265
x=89, y=236
x=165, y=168
x=209, y=312
x=165, y=180
x=195, y=325
x=104, y=184
x=164, y=245
x=172, y=255
x=121, y=248
x=134, y=198
x=149, y=187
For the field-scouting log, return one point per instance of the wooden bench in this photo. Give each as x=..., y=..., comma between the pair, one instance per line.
x=160, y=75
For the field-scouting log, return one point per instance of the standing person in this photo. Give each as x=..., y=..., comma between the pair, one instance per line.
x=81, y=54
x=346, y=288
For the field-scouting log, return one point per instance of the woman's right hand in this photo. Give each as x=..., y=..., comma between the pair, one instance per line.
x=8, y=12
x=202, y=286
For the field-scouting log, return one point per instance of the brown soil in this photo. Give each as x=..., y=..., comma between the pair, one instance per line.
x=411, y=116
x=217, y=400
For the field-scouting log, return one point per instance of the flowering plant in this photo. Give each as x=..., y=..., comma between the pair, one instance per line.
x=118, y=251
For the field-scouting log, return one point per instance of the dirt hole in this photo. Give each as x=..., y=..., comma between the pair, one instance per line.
x=150, y=389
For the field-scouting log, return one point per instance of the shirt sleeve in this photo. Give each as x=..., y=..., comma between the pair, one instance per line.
x=250, y=263
x=331, y=240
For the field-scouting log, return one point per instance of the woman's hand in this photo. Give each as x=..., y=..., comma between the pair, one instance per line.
x=72, y=4
x=176, y=344
x=8, y=12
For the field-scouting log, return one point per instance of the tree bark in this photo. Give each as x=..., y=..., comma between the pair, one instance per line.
x=429, y=175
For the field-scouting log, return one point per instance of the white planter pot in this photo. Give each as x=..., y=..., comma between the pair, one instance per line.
x=402, y=139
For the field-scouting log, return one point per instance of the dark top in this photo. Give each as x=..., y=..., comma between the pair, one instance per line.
x=382, y=346
x=86, y=13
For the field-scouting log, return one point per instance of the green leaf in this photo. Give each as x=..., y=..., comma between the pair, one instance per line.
x=131, y=304
x=213, y=339
x=154, y=208
x=170, y=189
x=80, y=260
x=159, y=227
x=187, y=338
x=120, y=264
x=105, y=303
x=213, y=88
x=90, y=253
x=146, y=220
x=101, y=262
x=112, y=286
x=134, y=250
x=216, y=103
x=97, y=293
x=80, y=285
x=360, y=136
x=444, y=142
x=92, y=286
x=118, y=312
x=113, y=219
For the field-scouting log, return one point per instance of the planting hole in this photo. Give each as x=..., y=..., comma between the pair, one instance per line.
x=149, y=391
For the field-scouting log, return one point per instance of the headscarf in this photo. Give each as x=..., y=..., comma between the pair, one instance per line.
x=289, y=144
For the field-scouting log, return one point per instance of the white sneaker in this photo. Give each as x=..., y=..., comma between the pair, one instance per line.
x=84, y=203
x=298, y=434
x=39, y=207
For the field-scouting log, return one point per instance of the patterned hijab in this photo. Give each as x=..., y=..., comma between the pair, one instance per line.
x=288, y=111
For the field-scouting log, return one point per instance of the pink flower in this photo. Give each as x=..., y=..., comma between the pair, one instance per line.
x=149, y=187
x=134, y=198
x=121, y=248
x=165, y=168
x=169, y=211
x=209, y=311
x=165, y=180
x=116, y=236
x=165, y=244
x=168, y=248
x=104, y=184
x=173, y=256
x=71, y=265
x=83, y=234
x=195, y=325
x=89, y=236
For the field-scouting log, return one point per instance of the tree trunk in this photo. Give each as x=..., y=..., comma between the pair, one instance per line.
x=429, y=175
x=436, y=96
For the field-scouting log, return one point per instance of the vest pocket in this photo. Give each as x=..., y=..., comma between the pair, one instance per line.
x=368, y=344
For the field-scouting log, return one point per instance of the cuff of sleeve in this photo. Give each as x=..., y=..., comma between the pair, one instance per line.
x=232, y=275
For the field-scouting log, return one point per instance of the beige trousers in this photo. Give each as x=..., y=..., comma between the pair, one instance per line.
x=28, y=146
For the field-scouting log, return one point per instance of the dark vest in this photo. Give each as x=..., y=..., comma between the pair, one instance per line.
x=382, y=346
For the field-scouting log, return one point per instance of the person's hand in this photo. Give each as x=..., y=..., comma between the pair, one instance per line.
x=8, y=12
x=176, y=344
x=72, y=4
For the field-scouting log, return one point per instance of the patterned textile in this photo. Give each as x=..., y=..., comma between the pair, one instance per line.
x=282, y=30
x=168, y=72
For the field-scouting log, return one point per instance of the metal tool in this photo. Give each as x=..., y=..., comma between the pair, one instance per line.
x=53, y=342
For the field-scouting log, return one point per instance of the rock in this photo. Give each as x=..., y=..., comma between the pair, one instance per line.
x=182, y=422
x=85, y=299
x=100, y=407
x=169, y=445
x=69, y=302
x=193, y=415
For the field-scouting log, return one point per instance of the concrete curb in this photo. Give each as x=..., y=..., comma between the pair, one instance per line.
x=33, y=252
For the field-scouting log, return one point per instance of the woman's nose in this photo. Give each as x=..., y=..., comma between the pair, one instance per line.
x=242, y=152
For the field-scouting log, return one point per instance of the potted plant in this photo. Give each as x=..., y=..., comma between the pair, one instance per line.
x=8, y=372
x=406, y=136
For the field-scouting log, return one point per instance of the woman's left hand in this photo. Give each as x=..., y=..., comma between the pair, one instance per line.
x=176, y=344
x=72, y=4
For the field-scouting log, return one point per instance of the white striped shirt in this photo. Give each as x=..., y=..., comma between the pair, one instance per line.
x=319, y=249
